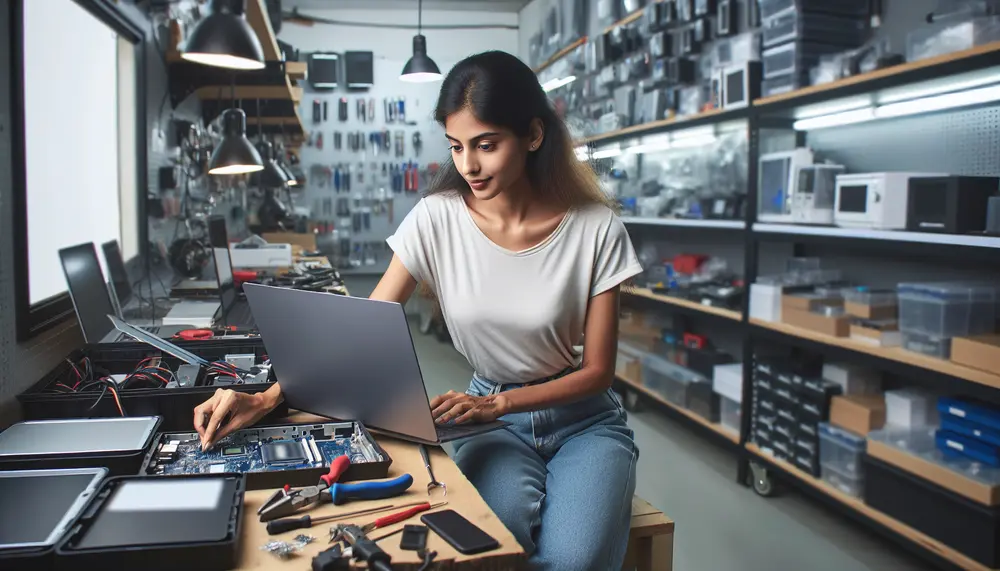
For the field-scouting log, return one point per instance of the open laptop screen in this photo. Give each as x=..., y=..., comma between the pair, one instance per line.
x=88, y=290
x=116, y=268
x=224, y=273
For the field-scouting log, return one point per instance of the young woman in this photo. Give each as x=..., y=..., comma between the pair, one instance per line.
x=526, y=256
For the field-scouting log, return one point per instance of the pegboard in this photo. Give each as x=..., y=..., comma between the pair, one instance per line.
x=371, y=194
x=964, y=142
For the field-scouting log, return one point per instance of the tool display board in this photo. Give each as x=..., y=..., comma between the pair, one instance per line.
x=366, y=162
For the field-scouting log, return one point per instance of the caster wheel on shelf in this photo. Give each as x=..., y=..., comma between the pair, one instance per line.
x=760, y=480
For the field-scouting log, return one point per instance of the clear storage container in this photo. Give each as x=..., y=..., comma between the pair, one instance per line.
x=851, y=486
x=947, y=309
x=769, y=8
x=795, y=57
x=792, y=24
x=924, y=344
x=872, y=297
x=950, y=36
x=669, y=379
x=629, y=362
x=919, y=442
x=840, y=450
x=729, y=415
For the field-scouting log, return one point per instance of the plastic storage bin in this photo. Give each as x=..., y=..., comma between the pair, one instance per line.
x=859, y=8
x=921, y=443
x=629, y=362
x=951, y=36
x=668, y=379
x=792, y=24
x=794, y=57
x=924, y=344
x=947, y=309
x=840, y=453
x=874, y=298
x=729, y=415
x=783, y=84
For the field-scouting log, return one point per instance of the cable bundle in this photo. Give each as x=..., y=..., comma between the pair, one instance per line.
x=85, y=380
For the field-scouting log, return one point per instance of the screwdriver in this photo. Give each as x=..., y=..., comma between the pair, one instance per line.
x=396, y=517
x=282, y=525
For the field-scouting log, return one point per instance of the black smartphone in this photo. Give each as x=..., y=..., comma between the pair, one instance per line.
x=459, y=532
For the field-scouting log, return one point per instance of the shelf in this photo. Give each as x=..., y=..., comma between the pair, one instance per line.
x=989, y=242
x=624, y=21
x=296, y=70
x=714, y=427
x=224, y=92
x=949, y=64
x=895, y=354
x=686, y=222
x=693, y=306
x=857, y=505
x=561, y=54
x=672, y=124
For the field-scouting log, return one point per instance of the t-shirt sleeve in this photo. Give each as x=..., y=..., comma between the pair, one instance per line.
x=411, y=243
x=616, y=260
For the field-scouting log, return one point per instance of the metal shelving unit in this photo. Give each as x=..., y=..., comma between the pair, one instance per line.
x=927, y=75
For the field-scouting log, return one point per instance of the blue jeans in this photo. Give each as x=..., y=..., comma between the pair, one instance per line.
x=560, y=479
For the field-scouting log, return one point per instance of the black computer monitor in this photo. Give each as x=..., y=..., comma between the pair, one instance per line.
x=219, y=237
x=120, y=285
x=88, y=290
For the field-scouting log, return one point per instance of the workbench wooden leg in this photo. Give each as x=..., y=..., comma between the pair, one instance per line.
x=650, y=554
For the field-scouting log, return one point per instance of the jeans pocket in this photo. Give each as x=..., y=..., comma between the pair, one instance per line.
x=477, y=387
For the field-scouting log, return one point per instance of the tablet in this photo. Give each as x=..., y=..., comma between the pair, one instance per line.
x=37, y=506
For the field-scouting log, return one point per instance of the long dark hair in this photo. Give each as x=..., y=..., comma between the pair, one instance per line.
x=501, y=90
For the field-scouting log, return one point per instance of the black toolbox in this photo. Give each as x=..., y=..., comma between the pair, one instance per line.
x=964, y=525
x=175, y=405
x=189, y=533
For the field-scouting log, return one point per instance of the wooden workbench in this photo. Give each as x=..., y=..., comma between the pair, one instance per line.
x=462, y=497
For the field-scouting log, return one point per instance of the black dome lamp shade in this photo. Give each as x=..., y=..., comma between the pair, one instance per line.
x=223, y=38
x=234, y=154
x=420, y=68
x=292, y=181
x=272, y=176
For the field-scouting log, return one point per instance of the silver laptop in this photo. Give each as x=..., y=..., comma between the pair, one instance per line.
x=349, y=358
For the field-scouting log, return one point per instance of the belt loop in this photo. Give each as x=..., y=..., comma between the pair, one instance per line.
x=496, y=389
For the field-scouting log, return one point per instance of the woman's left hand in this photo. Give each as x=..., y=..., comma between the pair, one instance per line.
x=464, y=408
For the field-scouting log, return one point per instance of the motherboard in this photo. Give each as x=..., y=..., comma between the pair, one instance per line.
x=272, y=449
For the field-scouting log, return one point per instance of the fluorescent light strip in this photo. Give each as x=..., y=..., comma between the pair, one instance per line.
x=906, y=95
x=557, y=83
x=903, y=108
x=607, y=153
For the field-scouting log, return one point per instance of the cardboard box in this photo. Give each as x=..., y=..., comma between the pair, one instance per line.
x=872, y=311
x=979, y=352
x=299, y=241
x=853, y=380
x=807, y=301
x=858, y=413
x=834, y=326
x=974, y=490
x=880, y=338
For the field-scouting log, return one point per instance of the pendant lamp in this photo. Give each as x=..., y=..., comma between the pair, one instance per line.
x=420, y=68
x=223, y=38
x=272, y=176
x=234, y=154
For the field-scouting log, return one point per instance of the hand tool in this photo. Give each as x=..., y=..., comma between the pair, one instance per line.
x=385, y=521
x=286, y=501
x=342, y=109
x=337, y=493
x=400, y=144
x=316, y=111
x=336, y=179
x=427, y=464
x=371, y=110
x=386, y=140
x=325, y=115
x=418, y=144
x=359, y=108
x=364, y=549
x=286, y=524
x=402, y=110
x=337, y=140
x=385, y=108
x=319, y=141
x=332, y=559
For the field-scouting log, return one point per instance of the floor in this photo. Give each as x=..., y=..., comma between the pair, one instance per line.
x=720, y=524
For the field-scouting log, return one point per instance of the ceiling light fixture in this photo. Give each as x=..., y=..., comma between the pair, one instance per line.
x=420, y=68
x=235, y=154
x=223, y=38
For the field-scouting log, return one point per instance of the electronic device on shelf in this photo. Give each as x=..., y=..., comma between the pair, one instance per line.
x=740, y=84
x=324, y=70
x=117, y=444
x=136, y=522
x=873, y=200
x=359, y=69
x=950, y=204
x=777, y=175
x=814, y=193
x=296, y=454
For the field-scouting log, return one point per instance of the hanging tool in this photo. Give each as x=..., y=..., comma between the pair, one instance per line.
x=342, y=109
x=373, y=139
x=347, y=178
x=371, y=110
x=337, y=140
x=401, y=114
x=364, y=549
x=427, y=464
x=319, y=141
x=400, y=143
x=286, y=501
x=325, y=116
x=336, y=532
x=286, y=524
x=336, y=179
x=418, y=143
x=359, y=105
x=317, y=113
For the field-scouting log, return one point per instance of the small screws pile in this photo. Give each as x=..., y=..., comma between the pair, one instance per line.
x=286, y=549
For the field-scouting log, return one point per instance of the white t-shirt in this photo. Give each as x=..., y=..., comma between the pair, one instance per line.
x=516, y=316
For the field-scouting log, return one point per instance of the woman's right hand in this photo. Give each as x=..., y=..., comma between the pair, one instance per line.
x=228, y=411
